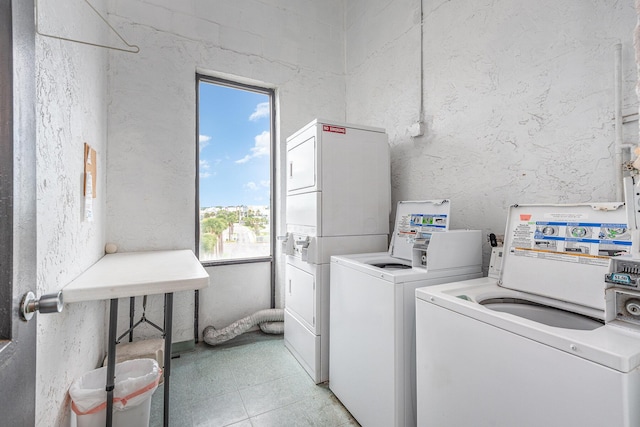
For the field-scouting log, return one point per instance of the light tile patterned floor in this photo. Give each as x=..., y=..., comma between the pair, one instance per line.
x=250, y=381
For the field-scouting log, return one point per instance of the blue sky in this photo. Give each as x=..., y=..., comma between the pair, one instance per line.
x=234, y=146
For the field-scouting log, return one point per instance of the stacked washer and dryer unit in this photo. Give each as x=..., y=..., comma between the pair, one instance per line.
x=540, y=345
x=338, y=201
x=372, y=310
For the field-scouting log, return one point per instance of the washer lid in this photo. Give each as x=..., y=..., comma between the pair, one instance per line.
x=416, y=220
x=563, y=251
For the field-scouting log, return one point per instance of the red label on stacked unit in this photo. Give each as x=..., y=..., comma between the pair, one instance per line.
x=334, y=129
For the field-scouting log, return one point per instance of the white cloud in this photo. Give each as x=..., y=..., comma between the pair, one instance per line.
x=257, y=186
x=204, y=169
x=262, y=110
x=260, y=148
x=204, y=141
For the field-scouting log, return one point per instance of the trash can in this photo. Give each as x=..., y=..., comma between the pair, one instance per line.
x=143, y=349
x=135, y=382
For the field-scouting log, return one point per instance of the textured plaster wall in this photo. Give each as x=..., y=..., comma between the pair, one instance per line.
x=71, y=110
x=518, y=99
x=293, y=46
x=382, y=63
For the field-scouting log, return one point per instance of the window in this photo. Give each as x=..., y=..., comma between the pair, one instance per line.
x=235, y=150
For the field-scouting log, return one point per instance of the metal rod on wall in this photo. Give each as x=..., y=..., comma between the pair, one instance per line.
x=133, y=48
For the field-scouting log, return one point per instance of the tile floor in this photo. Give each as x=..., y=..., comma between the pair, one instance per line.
x=250, y=381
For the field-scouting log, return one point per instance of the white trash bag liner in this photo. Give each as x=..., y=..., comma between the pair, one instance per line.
x=135, y=381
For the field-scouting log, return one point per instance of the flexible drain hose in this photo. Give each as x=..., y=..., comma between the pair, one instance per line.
x=273, y=328
x=271, y=318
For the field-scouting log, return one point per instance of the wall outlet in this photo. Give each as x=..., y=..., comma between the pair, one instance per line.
x=495, y=263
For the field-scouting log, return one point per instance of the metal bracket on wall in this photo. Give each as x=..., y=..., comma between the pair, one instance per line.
x=131, y=47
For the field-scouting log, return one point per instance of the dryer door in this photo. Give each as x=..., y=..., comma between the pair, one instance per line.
x=301, y=295
x=301, y=162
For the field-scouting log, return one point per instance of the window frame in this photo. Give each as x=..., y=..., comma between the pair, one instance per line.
x=270, y=92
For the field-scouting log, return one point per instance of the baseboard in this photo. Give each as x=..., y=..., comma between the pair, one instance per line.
x=182, y=347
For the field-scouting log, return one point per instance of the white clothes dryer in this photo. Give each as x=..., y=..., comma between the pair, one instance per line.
x=531, y=348
x=372, y=311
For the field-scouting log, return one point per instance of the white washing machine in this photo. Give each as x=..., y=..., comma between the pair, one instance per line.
x=372, y=311
x=531, y=348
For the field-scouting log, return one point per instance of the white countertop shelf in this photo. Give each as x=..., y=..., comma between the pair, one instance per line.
x=130, y=274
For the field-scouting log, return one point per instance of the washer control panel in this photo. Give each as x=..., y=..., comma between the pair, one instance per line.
x=622, y=294
x=624, y=272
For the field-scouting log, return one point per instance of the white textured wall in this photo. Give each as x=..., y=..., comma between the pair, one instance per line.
x=518, y=96
x=245, y=293
x=71, y=110
x=382, y=64
x=293, y=46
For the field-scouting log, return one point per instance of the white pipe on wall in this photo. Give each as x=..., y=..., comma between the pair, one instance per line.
x=618, y=121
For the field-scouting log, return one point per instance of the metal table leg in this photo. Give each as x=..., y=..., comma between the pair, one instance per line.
x=132, y=310
x=111, y=354
x=168, y=318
